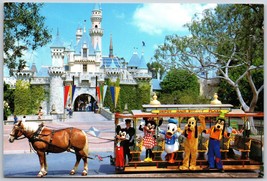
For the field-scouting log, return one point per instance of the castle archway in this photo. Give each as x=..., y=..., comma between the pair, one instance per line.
x=83, y=102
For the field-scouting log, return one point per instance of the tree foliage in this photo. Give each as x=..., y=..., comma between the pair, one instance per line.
x=8, y=100
x=180, y=80
x=24, y=30
x=27, y=99
x=226, y=43
x=180, y=86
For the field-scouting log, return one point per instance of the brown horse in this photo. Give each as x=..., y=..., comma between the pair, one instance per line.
x=44, y=139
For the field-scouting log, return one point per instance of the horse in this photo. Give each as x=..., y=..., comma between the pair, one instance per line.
x=44, y=139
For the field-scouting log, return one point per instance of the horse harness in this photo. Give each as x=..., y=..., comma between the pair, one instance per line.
x=36, y=135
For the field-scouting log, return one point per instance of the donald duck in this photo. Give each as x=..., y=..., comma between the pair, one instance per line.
x=171, y=138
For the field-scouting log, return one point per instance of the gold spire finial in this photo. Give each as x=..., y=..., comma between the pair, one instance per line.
x=215, y=99
x=155, y=101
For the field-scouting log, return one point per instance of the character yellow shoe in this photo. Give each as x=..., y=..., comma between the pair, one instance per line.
x=148, y=159
x=183, y=167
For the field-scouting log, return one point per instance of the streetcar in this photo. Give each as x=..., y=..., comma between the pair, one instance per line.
x=238, y=151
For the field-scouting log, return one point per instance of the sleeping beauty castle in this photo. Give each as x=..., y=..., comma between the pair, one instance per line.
x=77, y=71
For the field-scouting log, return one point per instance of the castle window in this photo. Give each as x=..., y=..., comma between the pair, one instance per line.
x=96, y=26
x=85, y=52
x=67, y=68
x=84, y=68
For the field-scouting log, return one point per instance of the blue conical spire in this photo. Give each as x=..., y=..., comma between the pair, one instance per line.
x=143, y=63
x=112, y=65
x=57, y=42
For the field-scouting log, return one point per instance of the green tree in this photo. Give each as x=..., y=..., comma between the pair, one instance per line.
x=22, y=98
x=227, y=41
x=9, y=98
x=180, y=79
x=179, y=86
x=27, y=98
x=24, y=29
x=38, y=95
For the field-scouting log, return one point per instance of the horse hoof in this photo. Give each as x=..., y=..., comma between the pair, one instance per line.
x=40, y=175
x=84, y=173
x=72, y=172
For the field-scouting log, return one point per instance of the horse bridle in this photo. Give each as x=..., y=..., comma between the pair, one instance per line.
x=15, y=134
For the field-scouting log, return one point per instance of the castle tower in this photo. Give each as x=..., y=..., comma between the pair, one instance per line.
x=56, y=89
x=96, y=32
x=56, y=71
x=57, y=52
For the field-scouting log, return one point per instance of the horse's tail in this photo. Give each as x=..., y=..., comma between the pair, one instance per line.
x=86, y=146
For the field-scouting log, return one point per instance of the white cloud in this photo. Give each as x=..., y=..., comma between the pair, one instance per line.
x=155, y=18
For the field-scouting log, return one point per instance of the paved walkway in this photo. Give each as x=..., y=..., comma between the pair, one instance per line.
x=82, y=120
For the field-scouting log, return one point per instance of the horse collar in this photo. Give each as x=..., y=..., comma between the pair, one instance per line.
x=35, y=135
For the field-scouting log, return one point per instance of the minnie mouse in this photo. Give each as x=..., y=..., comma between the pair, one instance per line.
x=149, y=138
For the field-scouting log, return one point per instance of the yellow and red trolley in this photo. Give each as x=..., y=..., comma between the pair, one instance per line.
x=238, y=152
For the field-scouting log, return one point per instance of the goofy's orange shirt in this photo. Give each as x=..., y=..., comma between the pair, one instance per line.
x=215, y=134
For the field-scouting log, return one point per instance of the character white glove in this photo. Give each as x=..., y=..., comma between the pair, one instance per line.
x=142, y=123
x=229, y=129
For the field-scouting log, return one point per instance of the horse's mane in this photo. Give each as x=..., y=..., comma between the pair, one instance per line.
x=30, y=126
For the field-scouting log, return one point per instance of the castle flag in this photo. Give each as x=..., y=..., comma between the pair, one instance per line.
x=104, y=92
x=66, y=93
x=112, y=91
x=117, y=92
x=70, y=94
x=98, y=93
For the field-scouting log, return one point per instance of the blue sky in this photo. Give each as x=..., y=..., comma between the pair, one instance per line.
x=129, y=24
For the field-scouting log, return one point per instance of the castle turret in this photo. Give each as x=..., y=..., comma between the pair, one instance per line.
x=25, y=74
x=133, y=63
x=57, y=52
x=56, y=88
x=96, y=32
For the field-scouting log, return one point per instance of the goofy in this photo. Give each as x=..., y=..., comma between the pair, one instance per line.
x=216, y=133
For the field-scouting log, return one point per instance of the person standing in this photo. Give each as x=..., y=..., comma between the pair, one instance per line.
x=69, y=110
x=24, y=119
x=247, y=128
x=40, y=112
x=130, y=141
x=15, y=119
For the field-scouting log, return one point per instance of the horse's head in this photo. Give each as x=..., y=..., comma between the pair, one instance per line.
x=16, y=132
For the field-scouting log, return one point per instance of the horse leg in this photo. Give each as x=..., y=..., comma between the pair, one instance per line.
x=42, y=160
x=78, y=158
x=85, y=166
x=85, y=153
x=45, y=165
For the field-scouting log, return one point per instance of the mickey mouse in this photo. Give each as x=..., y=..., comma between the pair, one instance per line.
x=120, y=138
